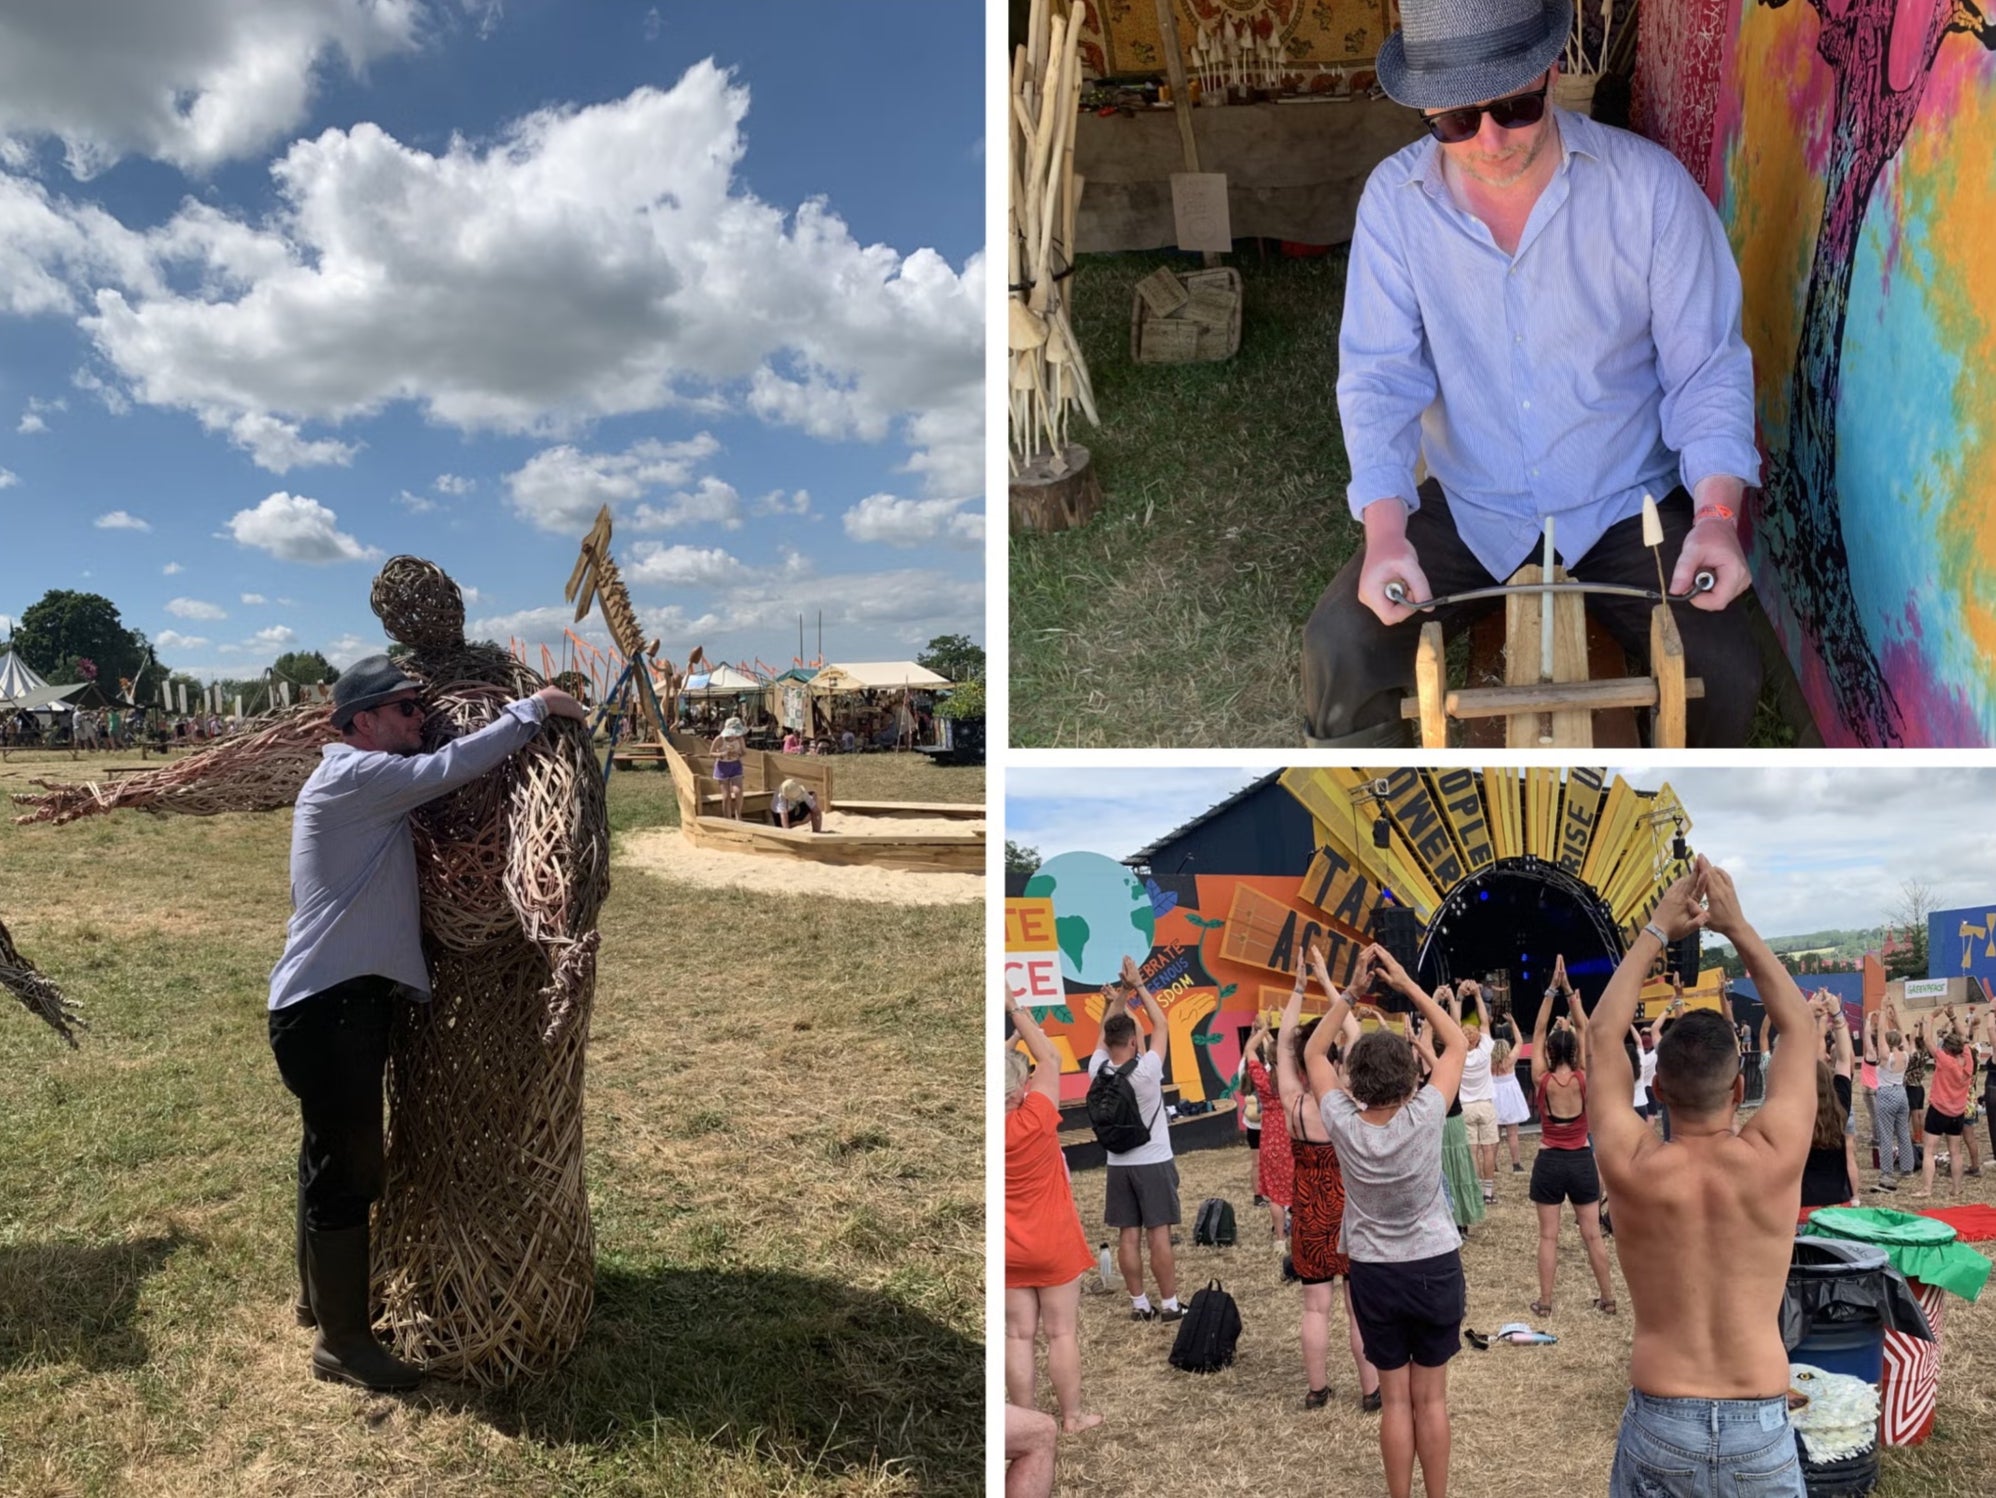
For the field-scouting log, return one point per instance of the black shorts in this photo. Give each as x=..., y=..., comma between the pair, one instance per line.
x=1254, y=1139
x=1565, y=1176
x=1942, y=1123
x=1410, y=1312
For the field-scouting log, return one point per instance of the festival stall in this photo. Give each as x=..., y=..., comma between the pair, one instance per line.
x=882, y=704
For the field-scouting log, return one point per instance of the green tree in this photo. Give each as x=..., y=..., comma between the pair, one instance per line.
x=1916, y=903
x=63, y=627
x=953, y=657
x=305, y=668
x=1019, y=859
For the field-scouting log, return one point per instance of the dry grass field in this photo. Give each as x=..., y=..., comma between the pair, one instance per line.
x=1528, y=1422
x=784, y=1127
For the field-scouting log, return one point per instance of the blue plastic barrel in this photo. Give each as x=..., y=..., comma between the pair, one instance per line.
x=1835, y=1280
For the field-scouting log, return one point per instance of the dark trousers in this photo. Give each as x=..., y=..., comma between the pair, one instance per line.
x=331, y=1050
x=1356, y=670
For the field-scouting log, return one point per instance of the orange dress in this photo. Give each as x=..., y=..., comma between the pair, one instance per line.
x=1043, y=1240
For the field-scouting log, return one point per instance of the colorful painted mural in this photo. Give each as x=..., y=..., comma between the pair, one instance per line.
x=1851, y=164
x=1217, y=949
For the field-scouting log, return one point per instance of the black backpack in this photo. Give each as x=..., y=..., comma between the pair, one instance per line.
x=1206, y=1337
x=1112, y=1109
x=1214, y=1225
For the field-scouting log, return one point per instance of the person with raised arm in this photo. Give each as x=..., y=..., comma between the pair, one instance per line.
x=1274, y=1178
x=1888, y=1056
x=1949, y=1103
x=1563, y=1170
x=1407, y=1289
x=1829, y=1175
x=1045, y=1251
x=1704, y=1221
x=1141, y=1192
x=1307, y=1071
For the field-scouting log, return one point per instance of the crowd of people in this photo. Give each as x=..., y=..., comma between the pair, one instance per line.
x=1353, y=1142
x=111, y=729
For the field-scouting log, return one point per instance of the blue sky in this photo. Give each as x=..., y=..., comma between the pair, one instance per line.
x=1810, y=848
x=290, y=286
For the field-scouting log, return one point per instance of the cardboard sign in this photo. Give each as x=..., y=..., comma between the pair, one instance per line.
x=1421, y=824
x=1342, y=892
x=1463, y=807
x=1199, y=211
x=1032, y=952
x=1577, y=818
x=1263, y=932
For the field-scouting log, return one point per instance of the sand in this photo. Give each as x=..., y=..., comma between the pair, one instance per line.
x=662, y=850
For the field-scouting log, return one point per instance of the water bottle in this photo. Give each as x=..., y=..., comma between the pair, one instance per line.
x=1107, y=1261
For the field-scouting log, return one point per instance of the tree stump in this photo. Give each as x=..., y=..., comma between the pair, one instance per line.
x=1055, y=493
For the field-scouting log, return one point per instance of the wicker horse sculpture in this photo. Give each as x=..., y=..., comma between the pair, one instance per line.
x=483, y=1256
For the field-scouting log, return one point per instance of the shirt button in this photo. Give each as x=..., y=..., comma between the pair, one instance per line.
x=1518, y=338
x=1528, y=405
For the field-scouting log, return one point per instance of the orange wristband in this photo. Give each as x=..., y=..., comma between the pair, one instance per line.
x=1712, y=512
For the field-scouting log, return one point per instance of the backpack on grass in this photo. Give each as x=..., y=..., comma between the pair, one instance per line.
x=1213, y=1227
x=1206, y=1337
x=1112, y=1109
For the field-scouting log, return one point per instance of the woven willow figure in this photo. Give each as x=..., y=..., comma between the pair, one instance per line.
x=483, y=1256
x=26, y=982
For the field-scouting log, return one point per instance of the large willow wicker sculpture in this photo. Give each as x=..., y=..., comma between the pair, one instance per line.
x=483, y=1255
x=43, y=999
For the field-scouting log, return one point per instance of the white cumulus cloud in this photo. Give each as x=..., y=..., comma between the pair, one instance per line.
x=560, y=489
x=194, y=608
x=451, y=484
x=8, y=478
x=31, y=423
x=890, y=521
x=173, y=639
x=684, y=566
x=171, y=568
x=119, y=520
x=293, y=528
x=254, y=598
x=195, y=83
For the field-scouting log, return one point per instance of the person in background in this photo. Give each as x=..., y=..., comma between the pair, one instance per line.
x=1829, y=1174
x=1046, y=1253
x=1889, y=1055
x=728, y=747
x=1465, y=1192
x=1564, y=1170
x=1030, y=1439
x=795, y=800
x=1948, y=1104
x=1141, y=1185
x=1274, y=1167
x=1249, y=1111
x=1307, y=1074
x=793, y=742
x=1407, y=1287
x=1479, y=1095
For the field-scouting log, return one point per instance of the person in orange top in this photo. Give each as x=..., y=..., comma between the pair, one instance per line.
x=1045, y=1252
x=1947, y=1102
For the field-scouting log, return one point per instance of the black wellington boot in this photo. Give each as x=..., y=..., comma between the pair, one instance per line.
x=346, y=1349
x=301, y=1308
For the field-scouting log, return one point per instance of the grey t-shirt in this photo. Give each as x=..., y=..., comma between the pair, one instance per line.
x=1395, y=1210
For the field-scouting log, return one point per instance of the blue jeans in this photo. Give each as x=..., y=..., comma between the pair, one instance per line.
x=1705, y=1448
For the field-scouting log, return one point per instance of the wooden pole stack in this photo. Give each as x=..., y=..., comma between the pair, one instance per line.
x=1048, y=376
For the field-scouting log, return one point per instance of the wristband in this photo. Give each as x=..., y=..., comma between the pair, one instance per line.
x=1652, y=929
x=1713, y=512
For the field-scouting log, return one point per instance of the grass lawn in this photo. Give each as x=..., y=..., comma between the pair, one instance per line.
x=784, y=1126
x=1525, y=1422
x=1174, y=618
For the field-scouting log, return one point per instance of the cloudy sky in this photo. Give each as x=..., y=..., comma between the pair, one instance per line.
x=290, y=286
x=1810, y=848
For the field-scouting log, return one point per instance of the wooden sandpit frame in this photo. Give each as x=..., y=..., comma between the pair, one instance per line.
x=692, y=767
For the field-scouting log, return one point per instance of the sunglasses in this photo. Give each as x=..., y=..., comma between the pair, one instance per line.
x=408, y=707
x=1512, y=112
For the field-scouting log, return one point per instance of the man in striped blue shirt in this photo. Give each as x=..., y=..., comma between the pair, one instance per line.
x=1547, y=309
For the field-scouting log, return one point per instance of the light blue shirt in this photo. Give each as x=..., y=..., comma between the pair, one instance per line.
x=1601, y=361
x=355, y=907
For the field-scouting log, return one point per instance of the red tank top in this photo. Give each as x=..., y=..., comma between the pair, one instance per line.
x=1562, y=1133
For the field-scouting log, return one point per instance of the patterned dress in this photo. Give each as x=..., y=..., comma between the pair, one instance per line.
x=1316, y=1222
x=1275, y=1176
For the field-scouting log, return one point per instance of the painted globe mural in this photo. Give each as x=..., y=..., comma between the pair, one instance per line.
x=1101, y=913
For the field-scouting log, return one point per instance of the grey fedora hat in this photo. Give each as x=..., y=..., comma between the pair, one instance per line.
x=1448, y=53
x=367, y=683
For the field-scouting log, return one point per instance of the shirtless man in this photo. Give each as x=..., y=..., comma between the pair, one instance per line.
x=1705, y=1220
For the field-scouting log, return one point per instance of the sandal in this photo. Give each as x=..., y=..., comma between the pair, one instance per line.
x=1605, y=1306
x=1476, y=1339
x=1541, y=1308
x=1369, y=1403
x=1316, y=1399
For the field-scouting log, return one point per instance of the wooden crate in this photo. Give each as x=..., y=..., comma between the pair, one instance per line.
x=1200, y=331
